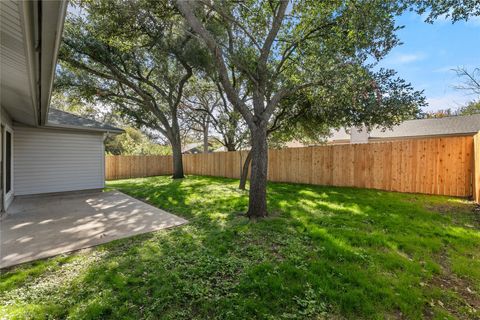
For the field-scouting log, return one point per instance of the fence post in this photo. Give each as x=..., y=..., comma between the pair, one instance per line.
x=476, y=168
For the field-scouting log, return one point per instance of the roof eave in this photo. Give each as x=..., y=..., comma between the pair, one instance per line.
x=455, y=134
x=30, y=14
x=52, y=16
x=83, y=128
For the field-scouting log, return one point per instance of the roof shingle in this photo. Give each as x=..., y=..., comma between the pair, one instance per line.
x=455, y=125
x=59, y=118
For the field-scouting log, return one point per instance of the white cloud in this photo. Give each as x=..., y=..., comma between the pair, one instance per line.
x=407, y=58
x=449, y=100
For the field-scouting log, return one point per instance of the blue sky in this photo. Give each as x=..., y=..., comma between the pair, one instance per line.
x=430, y=51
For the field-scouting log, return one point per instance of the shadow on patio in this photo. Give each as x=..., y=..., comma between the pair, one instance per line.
x=44, y=226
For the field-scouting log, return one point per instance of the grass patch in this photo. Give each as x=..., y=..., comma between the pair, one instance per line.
x=325, y=253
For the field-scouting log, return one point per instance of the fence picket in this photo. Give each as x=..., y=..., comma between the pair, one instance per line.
x=433, y=165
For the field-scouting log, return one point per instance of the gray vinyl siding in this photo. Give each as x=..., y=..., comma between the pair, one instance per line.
x=47, y=160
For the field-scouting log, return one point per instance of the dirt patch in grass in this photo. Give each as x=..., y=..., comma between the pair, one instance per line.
x=476, y=214
x=466, y=299
x=459, y=297
x=468, y=218
x=443, y=208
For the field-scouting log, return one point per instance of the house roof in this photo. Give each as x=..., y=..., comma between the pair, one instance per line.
x=30, y=37
x=340, y=134
x=455, y=125
x=195, y=147
x=61, y=119
x=190, y=146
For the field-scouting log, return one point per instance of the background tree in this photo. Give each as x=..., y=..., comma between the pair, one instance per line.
x=77, y=105
x=470, y=108
x=205, y=104
x=471, y=80
x=199, y=103
x=283, y=47
x=207, y=108
x=196, y=122
x=132, y=55
x=442, y=113
x=470, y=84
x=134, y=142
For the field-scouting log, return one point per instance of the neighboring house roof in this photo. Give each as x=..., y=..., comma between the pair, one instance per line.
x=340, y=134
x=191, y=146
x=294, y=144
x=430, y=127
x=61, y=119
x=455, y=125
x=196, y=147
x=224, y=149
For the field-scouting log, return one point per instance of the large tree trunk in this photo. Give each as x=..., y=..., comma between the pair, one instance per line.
x=230, y=146
x=177, y=161
x=205, y=137
x=257, y=206
x=244, y=173
x=176, y=142
x=229, y=140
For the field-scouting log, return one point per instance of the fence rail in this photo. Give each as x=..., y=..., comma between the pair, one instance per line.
x=124, y=167
x=433, y=166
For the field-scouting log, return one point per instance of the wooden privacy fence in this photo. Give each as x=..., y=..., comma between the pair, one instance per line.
x=432, y=166
x=123, y=167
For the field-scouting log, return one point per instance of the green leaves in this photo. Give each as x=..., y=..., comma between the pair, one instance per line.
x=134, y=142
x=321, y=62
x=132, y=55
x=452, y=9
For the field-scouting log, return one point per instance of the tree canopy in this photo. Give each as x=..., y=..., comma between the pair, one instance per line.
x=206, y=108
x=319, y=50
x=281, y=69
x=134, y=142
x=132, y=55
x=454, y=10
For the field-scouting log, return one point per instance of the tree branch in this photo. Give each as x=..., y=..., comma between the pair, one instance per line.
x=282, y=93
x=197, y=27
x=272, y=34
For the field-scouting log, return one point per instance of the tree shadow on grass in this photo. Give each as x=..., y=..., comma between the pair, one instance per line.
x=404, y=242
x=327, y=251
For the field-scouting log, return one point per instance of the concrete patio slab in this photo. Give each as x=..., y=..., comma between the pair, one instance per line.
x=44, y=226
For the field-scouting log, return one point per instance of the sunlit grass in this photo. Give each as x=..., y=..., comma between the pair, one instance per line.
x=324, y=252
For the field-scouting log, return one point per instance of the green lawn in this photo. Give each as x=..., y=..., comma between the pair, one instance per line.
x=325, y=252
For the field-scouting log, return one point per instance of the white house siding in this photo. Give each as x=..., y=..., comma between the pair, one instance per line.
x=51, y=160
